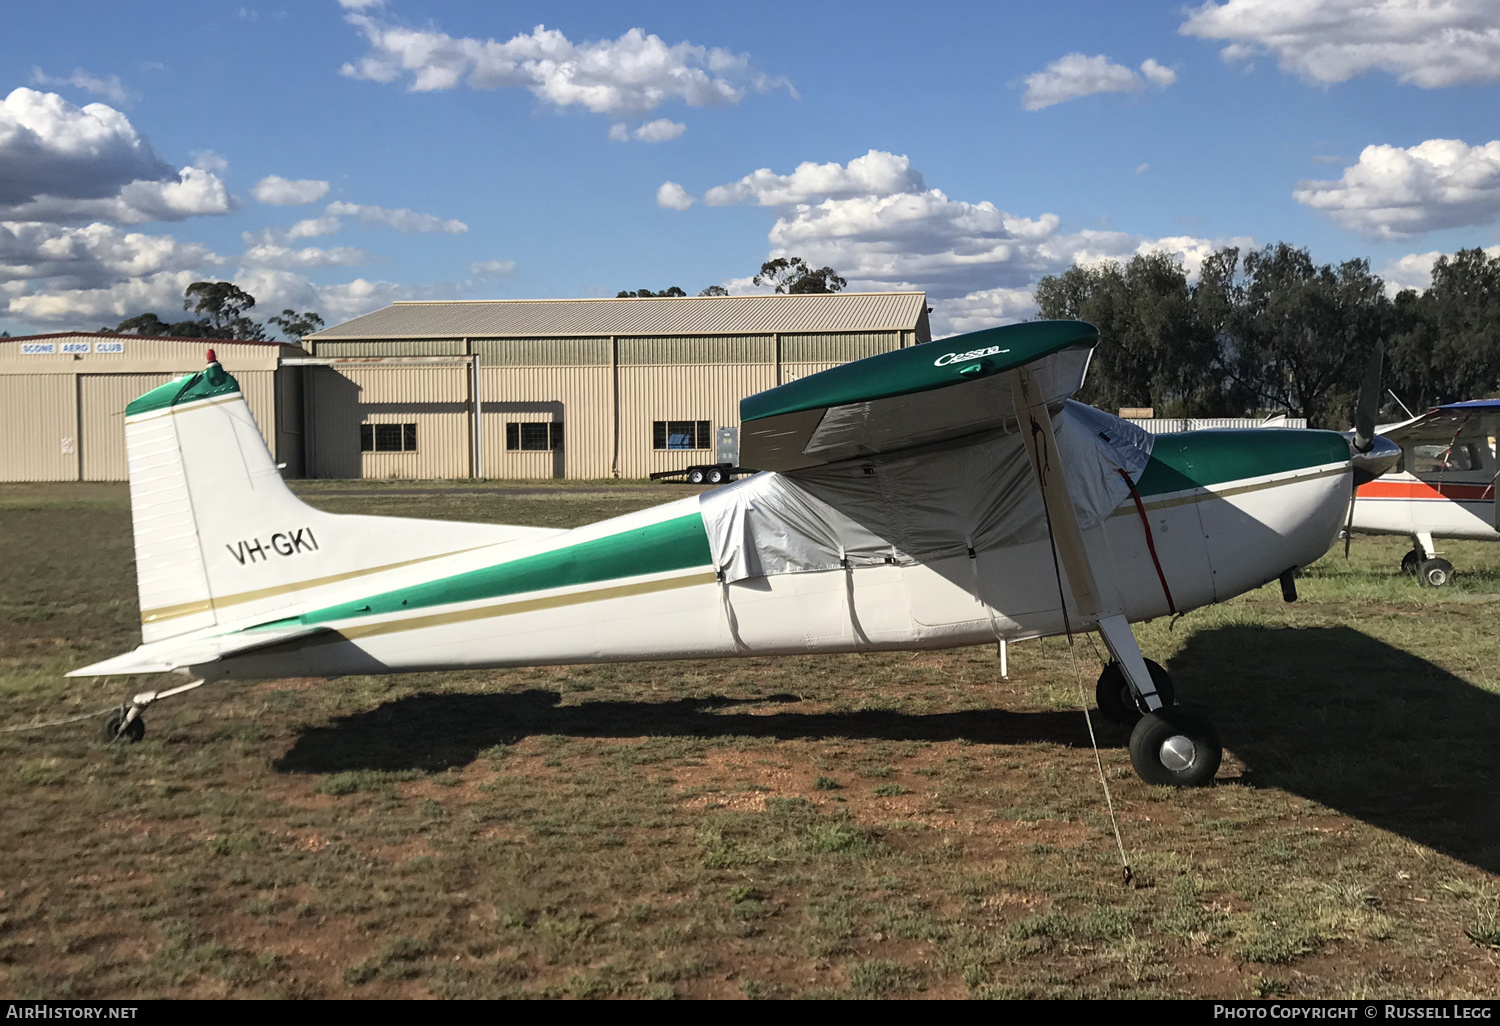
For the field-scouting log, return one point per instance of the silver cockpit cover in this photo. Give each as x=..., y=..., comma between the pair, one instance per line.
x=918, y=505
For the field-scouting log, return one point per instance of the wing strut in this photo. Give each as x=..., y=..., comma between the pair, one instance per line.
x=1035, y=425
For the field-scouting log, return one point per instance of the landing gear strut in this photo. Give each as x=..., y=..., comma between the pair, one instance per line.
x=125, y=725
x=1116, y=701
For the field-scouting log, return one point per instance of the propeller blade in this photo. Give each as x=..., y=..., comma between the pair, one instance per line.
x=1369, y=402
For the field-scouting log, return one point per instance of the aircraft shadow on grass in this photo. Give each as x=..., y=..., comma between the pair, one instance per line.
x=1327, y=713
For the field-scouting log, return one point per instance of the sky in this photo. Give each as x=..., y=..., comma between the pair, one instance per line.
x=338, y=155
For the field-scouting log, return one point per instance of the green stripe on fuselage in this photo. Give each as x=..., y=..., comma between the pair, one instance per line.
x=656, y=548
x=1200, y=459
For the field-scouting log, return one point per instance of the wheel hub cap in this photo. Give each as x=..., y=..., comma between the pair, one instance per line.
x=1177, y=753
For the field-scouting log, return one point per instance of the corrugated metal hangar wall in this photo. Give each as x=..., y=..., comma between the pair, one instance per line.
x=497, y=389
x=614, y=387
x=62, y=398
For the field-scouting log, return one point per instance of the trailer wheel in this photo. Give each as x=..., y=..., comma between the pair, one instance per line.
x=715, y=476
x=695, y=476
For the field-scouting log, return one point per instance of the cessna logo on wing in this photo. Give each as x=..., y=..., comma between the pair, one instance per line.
x=973, y=354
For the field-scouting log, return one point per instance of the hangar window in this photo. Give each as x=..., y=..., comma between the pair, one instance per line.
x=680, y=434
x=542, y=437
x=387, y=438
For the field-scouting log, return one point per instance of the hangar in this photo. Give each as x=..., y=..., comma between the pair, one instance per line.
x=63, y=396
x=570, y=388
x=560, y=388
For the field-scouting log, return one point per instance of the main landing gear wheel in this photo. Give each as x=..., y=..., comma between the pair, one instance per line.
x=1410, y=561
x=1434, y=573
x=1117, y=704
x=132, y=733
x=1175, y=747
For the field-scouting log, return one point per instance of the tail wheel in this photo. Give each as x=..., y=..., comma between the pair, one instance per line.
x=1410, y=561
x=1116, y=702
x=1434, y=573
x=1176, y=748
x=111, y=732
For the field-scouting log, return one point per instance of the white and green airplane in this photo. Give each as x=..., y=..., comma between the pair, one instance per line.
x=943, y=495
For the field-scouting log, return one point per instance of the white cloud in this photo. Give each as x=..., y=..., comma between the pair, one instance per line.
x=1075, y=75
x=673, y=196
x=401, y=219
x=49, y=146
x=1427, y=43
x=208, y=160
x=282, y=192
x=880, y=226
x=660, y=130
x=1414, y=271
x=54, y=256
x=492, y=268
x=86, y=309
x=1141, y=169
x=875, y=174
x=334, y=215
x=1158, y=74
x=111, y=88
x=60, y=162
x=1394, y=192
x=635, y=73
x=264, y=255
x=194, y=193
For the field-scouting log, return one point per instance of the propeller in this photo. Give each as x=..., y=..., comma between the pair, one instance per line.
x=1369, y=454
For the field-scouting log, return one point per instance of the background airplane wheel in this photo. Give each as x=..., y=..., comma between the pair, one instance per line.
x=1409, y=563
x=1175, y=747
x=110, y=732
x=1117, y=704
x=1434, y=573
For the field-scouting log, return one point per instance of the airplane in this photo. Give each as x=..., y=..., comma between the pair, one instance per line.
x=1443, y=486
x=943, y=495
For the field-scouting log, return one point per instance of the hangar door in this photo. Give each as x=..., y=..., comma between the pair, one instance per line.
x=103, y=398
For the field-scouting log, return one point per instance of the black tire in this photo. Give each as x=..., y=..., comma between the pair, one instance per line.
x=1176, y=748
x=110, y=732
x=1410, y=561
x=1117, y=704
x=695, y=476
x=715, y=476
x=1434, y=573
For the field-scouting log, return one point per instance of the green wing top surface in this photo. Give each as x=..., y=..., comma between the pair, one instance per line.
x=908, y=397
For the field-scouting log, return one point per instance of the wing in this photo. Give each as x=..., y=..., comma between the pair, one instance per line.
x=912, y=397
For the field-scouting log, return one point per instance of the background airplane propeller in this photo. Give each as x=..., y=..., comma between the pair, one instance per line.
x=1370, y=454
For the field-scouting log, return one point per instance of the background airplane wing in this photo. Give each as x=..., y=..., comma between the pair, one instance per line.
x=911, y=397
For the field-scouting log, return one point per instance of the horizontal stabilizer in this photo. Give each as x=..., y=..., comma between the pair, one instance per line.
x=175, y=653
x=911, y=397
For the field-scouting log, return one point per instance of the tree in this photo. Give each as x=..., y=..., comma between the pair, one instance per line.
x=223, y=303
x=1450, y=344
x=150, y=324
x=714, y=290
x=1304, y=334
x=1154, y=349
x=294, y=325
x=672, y=293
x=791, y=275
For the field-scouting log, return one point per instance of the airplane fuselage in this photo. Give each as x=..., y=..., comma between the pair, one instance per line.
x=1225, y=512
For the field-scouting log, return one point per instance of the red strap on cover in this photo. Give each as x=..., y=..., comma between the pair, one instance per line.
x=1150, y=542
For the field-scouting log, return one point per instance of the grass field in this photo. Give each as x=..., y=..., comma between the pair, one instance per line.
x=893, y=825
